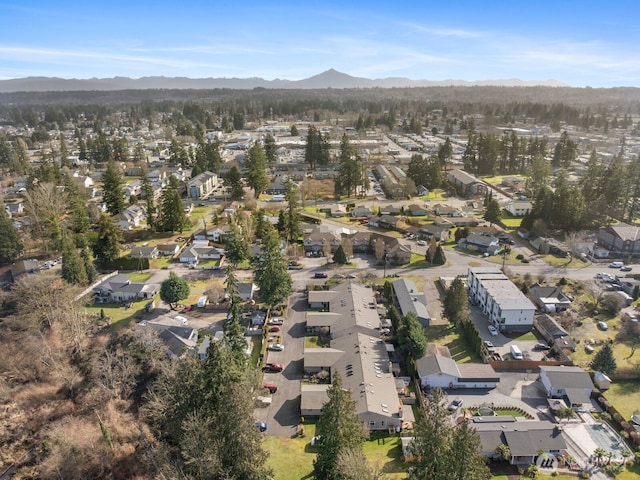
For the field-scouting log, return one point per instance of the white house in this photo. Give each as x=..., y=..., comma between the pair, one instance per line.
x=572, y=383
x=518, y=208
x=507, y=308
x=444, y=372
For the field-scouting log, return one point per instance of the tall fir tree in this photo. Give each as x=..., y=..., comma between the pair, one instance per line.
x=112, y=184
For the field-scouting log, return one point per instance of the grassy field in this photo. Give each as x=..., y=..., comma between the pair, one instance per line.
x=510, y=222
x=292, y=458
x=139, y=277
x=121, y=317
x=448, y=336
x=311, y=341
x=625, y=396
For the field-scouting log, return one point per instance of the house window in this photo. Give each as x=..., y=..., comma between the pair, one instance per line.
x=372, y=423
x=382, y=423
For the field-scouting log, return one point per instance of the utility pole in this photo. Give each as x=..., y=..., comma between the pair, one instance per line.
x=385, y=261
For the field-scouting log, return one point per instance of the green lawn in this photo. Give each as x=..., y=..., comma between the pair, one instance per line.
x=139, y=277
x=292, y=458
x=511, y=222
x=448, y=336
x=121, y=316
x=161, y=262
x=625, y=396
x=311, y=341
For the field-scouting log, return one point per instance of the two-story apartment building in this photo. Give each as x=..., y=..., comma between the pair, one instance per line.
x=201, y=185
x=507, y=308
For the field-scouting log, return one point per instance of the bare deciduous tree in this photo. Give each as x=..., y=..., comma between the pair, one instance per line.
x=45, y=203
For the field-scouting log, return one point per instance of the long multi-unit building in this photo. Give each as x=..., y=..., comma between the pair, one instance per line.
x=507, y=308
x=201, y=185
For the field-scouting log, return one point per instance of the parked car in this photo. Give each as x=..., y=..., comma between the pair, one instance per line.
x=490, y=347
x=276, y=347
x=262, y=426
x=319, y=275
x=422, y=243
x=272, y=387
x=626, y=268
x=274, y=329
x=492, y=330
x=455, y=405
x=352, y=275
x=616, y=265
x=272, y=367
x=603, y=326
x=275, y=321
x=541, y=346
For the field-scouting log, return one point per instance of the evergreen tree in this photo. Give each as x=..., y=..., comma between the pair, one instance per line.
x=107, y=245
x=73, y=269
x=411, y=337
x=493, y=212
x=604, y=361
x=147, y=192
x=349, y=169
x=174, y=289
x=455, y=304
x=340, y=257
x=339, y=429
x=236, y=245
x=233, y=181
x=294, y=130
x=257, y=169
x=112, y=184
x=445, y=153
x=233, y=330
x=271, y=274
x=172, y=217
x=270, y=148
x=89, y=267
x=292, y=223
x=10, y=242
x=442, y=451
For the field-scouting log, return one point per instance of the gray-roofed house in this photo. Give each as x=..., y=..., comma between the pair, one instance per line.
x=246, y=290
x=481, y=242
x=168, y=249
x=410, y=300
x=468, y=184
x=443, y=372
x=549, y=299
x=621, y=239
x=144, y=252
x=526, y=439
x=179, y=340
x=440, y=232
x=119, y=288
x=549, y=328
x=572, y=383
x=360, y=357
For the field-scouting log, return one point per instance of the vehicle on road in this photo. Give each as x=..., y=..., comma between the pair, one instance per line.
x=422, y=243
x=616, y=265
x=455, y=405
x=319, y=275
x=492, y=330
x=626, y=268
x=272, y=367
x=276, y=347
x=352, y=275
x=603, y=326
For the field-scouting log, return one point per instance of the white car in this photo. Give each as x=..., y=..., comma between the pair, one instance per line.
x=493, y=331
x=275, y=321
x=276, y=347
x=422, y=243
x=181, y=319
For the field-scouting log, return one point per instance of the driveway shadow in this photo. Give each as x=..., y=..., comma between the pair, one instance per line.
x=288, y=415
x=293, y=370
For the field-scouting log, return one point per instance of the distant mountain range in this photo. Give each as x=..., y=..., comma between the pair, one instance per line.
x=329, y=79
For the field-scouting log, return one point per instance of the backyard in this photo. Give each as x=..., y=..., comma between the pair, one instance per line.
x=120, y=315
x=446, y=335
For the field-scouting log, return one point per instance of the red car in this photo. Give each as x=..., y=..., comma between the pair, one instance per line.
x=272, y=367
x=272, y=387
x=274, y=329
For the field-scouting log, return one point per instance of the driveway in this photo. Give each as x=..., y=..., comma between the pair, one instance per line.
x=283, y=415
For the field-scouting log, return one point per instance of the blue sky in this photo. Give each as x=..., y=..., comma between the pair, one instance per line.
x=582, y=43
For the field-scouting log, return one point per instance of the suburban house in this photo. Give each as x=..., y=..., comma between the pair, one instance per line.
x=547, y=245
x=441, y=233
x=200, y=250
x=410, y=300
x=278, y=186
x=397, y=252
x=507, y=308
x=247, y=290
x=469, y=185
x=549, y=299
x=481, y=242
x=415, y=210
x=214, y=234
x=549, y=328
x=443, y=372
x=168, y=249
x=131, y=217
x=201, y=185
x=321, y=236
x=144, y=252
x=360, y=357
x=621, y=239
x=156, y=176
x=360, y=212
x=446, y=211
x=526, y=439
x=390, y=210
x=179, y=340
x=572, y=383
x=518, y=208
x=119, y=288
x=132, y=188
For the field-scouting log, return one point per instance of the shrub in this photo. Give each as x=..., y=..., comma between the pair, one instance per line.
x=525, y=260
x=519, y=256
